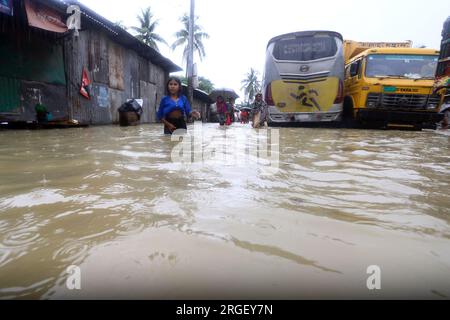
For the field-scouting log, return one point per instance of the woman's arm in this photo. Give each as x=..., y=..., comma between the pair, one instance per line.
x=187, y=106
x=188, y=109
x=160, y=113
x=170, y=126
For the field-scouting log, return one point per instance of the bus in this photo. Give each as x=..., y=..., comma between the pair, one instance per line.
x=303, y=79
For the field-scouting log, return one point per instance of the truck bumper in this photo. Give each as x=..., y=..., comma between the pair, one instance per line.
x=398, y=117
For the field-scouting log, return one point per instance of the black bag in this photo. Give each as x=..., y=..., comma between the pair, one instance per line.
x=132, y=106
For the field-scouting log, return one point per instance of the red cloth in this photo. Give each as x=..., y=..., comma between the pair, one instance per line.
x=244, y=116
x=85, y=82
x=228, y=122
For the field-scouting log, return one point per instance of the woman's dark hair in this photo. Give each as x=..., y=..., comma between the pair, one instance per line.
x=177, y=80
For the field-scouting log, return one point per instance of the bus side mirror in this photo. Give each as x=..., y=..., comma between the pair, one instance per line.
x=354, y=68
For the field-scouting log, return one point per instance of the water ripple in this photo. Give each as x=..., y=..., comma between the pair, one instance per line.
x=21, y=238
x=129, y=227
x=22, y=292
x=71, y=252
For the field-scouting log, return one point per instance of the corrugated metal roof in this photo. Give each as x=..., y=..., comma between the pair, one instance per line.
x=118, y=34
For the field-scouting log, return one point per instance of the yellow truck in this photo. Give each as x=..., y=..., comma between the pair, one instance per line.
x=390, y=85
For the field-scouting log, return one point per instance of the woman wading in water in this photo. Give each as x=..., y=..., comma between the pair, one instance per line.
x=175, y=107
x=260, y=112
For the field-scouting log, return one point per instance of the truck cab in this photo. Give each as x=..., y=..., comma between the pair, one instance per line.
x=391, y=86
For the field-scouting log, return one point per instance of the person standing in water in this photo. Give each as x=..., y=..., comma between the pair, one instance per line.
x=260, y=111
x=231, y=109
x=222, y=110
x=175, y=107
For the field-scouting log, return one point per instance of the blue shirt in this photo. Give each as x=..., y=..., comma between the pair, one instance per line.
x=168, y=105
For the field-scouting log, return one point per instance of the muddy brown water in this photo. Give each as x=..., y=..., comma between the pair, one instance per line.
x=112, y=202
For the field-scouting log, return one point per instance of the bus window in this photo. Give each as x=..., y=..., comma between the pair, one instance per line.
x=305, y=48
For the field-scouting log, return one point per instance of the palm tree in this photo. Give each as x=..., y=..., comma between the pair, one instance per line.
x=183, y=38
x=120, y=24
x=146, y=32
x=251, y=85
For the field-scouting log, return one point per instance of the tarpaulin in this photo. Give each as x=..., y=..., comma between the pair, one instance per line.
x=34, y=59
x=43, y=17
x=6, y=6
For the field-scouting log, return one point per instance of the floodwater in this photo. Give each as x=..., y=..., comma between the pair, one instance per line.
x=139, y=225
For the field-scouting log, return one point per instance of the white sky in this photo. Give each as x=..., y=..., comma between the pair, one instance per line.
x=240, y=29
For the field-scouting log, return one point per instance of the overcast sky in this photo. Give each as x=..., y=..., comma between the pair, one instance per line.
x=240, y=29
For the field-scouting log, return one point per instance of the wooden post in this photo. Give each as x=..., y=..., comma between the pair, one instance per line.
x=190, y=61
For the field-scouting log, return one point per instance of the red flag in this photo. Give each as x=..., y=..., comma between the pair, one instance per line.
x=85, y=82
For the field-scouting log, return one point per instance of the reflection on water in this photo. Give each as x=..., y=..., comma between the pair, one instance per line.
x=110, y=200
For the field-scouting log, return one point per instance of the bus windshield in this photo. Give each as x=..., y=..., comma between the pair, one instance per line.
x=401, y=66
x=305, y=48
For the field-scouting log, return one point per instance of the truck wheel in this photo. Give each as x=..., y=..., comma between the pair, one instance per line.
x=348, y=111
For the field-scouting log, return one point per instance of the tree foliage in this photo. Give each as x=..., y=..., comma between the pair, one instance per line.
x=251, y=84
x=183, y=38
x=146, y=32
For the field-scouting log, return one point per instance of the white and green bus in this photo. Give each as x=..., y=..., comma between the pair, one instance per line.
x=303, y=78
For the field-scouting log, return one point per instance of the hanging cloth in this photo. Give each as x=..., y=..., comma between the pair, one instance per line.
x=85, y=82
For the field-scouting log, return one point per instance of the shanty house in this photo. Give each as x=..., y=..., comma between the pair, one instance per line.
x=84, y=77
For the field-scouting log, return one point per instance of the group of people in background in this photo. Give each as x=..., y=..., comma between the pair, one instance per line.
x=258, y=114
x=174, y=109
x=225, y=111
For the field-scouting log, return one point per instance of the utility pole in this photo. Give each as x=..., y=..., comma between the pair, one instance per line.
x=190, y=62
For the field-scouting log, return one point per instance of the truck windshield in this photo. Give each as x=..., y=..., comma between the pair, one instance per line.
x=401, y=66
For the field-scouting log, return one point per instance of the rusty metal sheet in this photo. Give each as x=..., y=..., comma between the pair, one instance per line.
x=123, y=75
x=131, y=74
x=101, y=94
x=148, y=94
x=116, y=67
x=98, y=57
x=144, y=70
x=77, y=58
x=44, y=17
x=116, y=98
x=101, y=113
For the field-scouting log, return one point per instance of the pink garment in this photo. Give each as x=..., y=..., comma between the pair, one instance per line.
x=221, y=107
